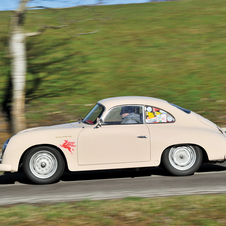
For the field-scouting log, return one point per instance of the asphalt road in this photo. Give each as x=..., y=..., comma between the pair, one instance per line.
x=151, y=182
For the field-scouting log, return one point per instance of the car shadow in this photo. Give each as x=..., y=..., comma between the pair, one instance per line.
x=111, y=174
x=125, y=173
x=12, y=178
x=208, y=167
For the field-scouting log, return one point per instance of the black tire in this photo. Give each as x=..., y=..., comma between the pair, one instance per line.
x=43, y=165
x=182, y=160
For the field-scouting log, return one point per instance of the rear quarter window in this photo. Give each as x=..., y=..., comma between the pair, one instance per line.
x=157, y=115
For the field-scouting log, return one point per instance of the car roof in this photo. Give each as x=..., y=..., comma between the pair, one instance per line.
x=135, y=100
x=180, y=116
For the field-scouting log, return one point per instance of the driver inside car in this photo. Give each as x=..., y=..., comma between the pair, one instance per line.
x=129, y=116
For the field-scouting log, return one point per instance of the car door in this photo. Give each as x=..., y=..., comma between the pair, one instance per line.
x=115, y=142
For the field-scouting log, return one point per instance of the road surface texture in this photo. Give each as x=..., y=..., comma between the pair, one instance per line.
x=149, y=182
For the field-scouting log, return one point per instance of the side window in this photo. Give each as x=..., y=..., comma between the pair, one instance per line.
x=126, y=114
x=157, y=115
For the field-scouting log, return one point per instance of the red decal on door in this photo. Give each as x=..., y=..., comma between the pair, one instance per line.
x=68, y=145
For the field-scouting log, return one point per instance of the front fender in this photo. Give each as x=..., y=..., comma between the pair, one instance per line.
x=22, y=142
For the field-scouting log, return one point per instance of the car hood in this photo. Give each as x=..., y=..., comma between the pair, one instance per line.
x=55, y=127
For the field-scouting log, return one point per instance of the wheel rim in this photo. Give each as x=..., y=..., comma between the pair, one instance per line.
x=182, y=158
x=43, y=164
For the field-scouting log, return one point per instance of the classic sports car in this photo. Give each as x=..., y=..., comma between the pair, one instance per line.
x=120, y=132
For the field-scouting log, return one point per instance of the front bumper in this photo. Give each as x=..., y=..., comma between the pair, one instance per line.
x=5, y=167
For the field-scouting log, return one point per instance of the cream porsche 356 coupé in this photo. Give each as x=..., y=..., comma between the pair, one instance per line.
x=120, y=132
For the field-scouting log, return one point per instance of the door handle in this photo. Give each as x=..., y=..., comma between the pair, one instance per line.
x=141, y=136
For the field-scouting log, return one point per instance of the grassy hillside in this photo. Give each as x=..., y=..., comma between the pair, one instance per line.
x=170, y=50
x=200, y=210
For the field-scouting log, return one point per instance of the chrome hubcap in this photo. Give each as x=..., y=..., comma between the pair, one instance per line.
x=43, y=164
x=182, y=158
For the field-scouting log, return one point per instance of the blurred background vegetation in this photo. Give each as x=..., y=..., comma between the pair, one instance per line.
x=174, y=50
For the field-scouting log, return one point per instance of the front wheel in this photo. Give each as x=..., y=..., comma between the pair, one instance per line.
x=182, y=160
x=43, y=165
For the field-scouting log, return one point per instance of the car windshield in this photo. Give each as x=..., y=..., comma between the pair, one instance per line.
x=94, y=115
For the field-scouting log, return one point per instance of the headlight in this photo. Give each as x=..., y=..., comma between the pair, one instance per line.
x=4, y=146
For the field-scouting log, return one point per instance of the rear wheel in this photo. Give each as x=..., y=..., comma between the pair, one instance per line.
x=182, y=160
x=43, y=165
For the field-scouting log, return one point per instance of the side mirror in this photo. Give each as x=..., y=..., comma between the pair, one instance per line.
x=99, y=124
x=80, y=120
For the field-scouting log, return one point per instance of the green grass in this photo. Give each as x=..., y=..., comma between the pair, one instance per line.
x=206, y=210
x=170, y=50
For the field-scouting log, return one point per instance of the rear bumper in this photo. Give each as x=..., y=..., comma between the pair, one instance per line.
x=5, y=167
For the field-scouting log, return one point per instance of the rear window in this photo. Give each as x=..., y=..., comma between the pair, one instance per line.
x=182, y=109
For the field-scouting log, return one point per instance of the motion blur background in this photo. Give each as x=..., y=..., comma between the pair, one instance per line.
x=174, y=50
